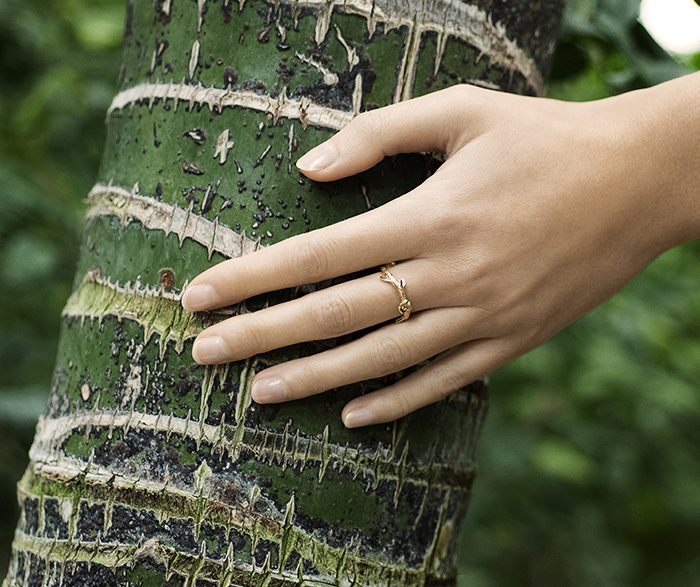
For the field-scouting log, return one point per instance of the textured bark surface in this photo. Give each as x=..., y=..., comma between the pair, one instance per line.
x=148, y=469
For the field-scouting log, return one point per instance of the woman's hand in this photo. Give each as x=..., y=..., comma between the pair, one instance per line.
x=541, y=211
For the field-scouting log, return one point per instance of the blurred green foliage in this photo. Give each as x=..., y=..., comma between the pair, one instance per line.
x=588, y=466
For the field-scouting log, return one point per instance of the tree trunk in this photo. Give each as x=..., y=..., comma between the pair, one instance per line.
x=148, y=469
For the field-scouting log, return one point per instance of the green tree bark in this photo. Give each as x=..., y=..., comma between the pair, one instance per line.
x=148, y=469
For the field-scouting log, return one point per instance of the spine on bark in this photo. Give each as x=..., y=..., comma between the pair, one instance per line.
x=148, y=469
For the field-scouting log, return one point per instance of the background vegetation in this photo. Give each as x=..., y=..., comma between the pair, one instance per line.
x=590, y=473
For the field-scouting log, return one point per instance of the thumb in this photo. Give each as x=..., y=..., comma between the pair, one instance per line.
x=435, y=122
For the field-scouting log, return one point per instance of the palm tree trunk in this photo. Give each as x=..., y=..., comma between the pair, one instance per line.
x=148, y=469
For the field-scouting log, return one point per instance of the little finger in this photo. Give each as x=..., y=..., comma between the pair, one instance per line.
x=455, y=369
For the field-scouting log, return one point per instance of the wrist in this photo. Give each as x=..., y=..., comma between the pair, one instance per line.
x=657, y=137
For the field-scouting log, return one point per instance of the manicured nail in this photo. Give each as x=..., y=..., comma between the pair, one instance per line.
x=209, y=350
x=318, y=158
x=266, y=391
x=198, y=297
x=359, y=417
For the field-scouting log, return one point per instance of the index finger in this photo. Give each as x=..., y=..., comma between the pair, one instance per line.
x=384, y=234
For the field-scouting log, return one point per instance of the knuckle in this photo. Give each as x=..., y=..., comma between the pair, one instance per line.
x=448, y=379
x=467, y=96
x=309, y=377
x=477, y=106
x=250, y=336
x=401, y=404
x=334, y=315
x=533, y=337
x=458, y=91
x=311, y=260
x=371, y=124
x=390, y=355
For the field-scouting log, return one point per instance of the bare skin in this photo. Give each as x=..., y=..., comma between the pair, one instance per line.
x=546, y=209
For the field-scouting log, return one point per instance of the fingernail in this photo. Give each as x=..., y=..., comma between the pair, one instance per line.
x=198, y=297
x=359, y=417
x=318, y=158
x=268, y=391
x=209, y=350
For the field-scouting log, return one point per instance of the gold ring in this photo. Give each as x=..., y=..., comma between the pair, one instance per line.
x=400, y=285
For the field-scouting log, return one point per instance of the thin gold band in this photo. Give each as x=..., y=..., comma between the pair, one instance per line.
x=400, y=285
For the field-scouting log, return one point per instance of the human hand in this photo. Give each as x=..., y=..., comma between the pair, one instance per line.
x=541, y=211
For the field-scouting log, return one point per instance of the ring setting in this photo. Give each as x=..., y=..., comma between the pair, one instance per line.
x=404, y=306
